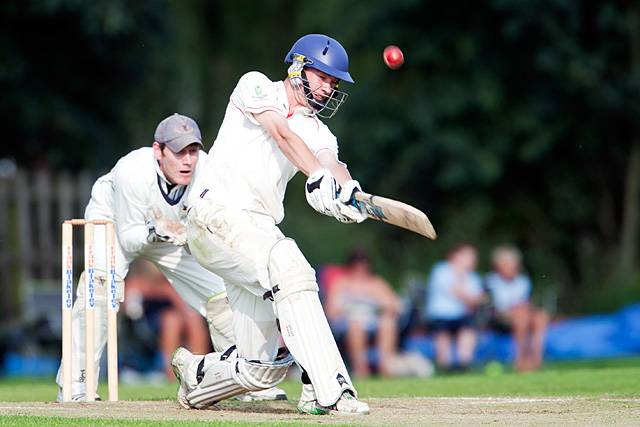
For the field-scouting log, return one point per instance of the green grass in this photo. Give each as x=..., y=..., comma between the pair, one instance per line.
x=14, y=420
x=612, y=378
x=602, y=378
x=618, y=377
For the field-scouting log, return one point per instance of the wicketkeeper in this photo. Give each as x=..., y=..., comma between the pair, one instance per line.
x=144, y=196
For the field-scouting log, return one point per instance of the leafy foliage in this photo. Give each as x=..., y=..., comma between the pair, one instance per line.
x=510, y=121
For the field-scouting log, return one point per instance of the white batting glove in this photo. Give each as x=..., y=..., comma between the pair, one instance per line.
x=164, y=230
x=349, y=208
x=321, y=190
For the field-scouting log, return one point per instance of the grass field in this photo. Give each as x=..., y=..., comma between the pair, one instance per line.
x=597, y=393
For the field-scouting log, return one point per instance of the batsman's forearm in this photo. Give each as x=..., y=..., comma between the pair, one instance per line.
x=329, y=160
x=298, y=153
x=339, y=172
x=291, y=145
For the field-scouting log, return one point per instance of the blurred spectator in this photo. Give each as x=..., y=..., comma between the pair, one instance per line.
x=363, y=303
x=328, y=275
x=149, y=294
x=510, y=291
x=454, y=291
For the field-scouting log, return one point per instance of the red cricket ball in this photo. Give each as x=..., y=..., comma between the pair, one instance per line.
x=393, y=57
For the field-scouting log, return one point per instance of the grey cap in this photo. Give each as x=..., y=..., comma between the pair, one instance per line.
x=178, y=131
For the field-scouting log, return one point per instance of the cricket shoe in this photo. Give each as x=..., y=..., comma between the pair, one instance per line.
x=184, y=365
x=308, y=403
x=273, y=393
x=346, y=405
x=76, y=397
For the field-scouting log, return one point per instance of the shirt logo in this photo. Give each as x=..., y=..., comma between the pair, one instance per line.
x=258, y=92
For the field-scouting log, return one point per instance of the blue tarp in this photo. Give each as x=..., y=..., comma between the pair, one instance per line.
x=30, y=366
x=589, y=337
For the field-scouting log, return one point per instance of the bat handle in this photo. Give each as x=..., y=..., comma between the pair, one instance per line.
x=361, y=196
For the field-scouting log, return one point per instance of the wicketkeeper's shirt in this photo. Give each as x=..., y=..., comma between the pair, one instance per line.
x=246, y=167
x=127, y=194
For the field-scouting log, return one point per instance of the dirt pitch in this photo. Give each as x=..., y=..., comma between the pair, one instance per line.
x=395, y=411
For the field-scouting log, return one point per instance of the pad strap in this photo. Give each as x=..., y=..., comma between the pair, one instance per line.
x=229, y=376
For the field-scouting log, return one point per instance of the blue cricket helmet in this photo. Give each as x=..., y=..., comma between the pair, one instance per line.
x=322, y=53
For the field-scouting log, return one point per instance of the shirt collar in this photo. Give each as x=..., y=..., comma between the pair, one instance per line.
x=172, y=193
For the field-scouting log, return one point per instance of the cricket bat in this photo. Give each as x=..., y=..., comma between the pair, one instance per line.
x=396, y=213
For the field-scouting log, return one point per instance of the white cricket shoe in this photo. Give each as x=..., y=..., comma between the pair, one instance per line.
x=78, y=397
x=273, y=393
x=78, y=392
x=184, y=366
x=308, y=403
x=346, y=405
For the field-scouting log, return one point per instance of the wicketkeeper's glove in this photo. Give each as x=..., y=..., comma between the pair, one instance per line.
x=164, y=230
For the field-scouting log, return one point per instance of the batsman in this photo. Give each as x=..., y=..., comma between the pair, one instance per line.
x=272, y=130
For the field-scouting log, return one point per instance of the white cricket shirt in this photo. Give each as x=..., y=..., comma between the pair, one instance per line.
x=127, y=194
x=246, y=167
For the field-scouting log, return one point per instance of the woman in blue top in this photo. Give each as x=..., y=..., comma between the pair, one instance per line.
x=510, y=291
x=454, y=291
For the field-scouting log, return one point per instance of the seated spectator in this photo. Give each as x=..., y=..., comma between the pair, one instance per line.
x=328, y=275
x=510, y=291
x=454, y=291
x=149, y=294
x=362, y=302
